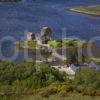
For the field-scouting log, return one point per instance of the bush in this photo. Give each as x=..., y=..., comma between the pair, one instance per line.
x=98, y=92
x=67, y=88
x=79, y=88
x=63, y=93
x=44, y=94
x=89, y=91
x=88, y=78
x=48, y=91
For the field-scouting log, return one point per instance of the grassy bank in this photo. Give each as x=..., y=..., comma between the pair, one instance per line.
x=57, y=97
x=27, y=44
x=90, y=10
x=66, y=43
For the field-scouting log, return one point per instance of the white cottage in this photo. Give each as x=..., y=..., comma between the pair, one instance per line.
x=93, y=66
x=72, y=69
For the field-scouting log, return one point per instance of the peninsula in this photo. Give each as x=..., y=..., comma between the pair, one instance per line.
x=93, y=10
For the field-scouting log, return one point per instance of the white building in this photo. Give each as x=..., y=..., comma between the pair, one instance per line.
x=71, y=70
x=93, y=65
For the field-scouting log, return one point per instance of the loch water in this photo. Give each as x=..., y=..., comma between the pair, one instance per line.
x=31, y=15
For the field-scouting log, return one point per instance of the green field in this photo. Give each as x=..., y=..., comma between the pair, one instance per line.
x=93, y=10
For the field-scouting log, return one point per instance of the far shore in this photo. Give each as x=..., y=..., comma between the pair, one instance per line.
x=10, y=0
x=93, y=10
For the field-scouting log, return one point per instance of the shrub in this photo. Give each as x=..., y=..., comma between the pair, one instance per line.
x=63, y=93
x=69, y=88
x=79, y=88
x=88, y=77
x=48, y=91
x=44, y=94
x=89, y=91
x=98, y=92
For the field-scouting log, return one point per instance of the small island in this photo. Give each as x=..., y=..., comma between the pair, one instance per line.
x=93, y=10
x=44, y=42
x=44, y=38
x=36, y=41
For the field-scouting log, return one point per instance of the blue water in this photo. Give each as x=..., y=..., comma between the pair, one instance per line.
x=31, y=15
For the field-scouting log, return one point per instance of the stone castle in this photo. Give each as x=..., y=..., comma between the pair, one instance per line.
x=43, y=37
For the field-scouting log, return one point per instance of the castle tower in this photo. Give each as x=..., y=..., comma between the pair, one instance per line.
x=30, y=36
x=45, y=35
